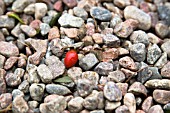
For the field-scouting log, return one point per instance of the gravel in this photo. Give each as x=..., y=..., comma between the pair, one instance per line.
x=123, y=56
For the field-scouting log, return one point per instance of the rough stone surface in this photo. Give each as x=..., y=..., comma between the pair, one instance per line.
x=110, y=54
x=55, y=65
x=154, y=52
x=57, y=89
x=12, y=79
x=80, y=12
x=40, y=10
x=137, y=88
x=8, y=49
x=103, y=68
x=139, y=36
x=18, y=6
x=100, y=13
x=110, y=106
x=165, y=47
x=162, y=61
x=138, y=52
x=28, y=30
x=56, y=105
x=130, y=102
x=157, y=83
x=5, y=99
x=124, y=29
x=161, y=96
x=128, y=63
x=165, y=71
x=70, y=3
x=135, y=13
x=156, y=109
x=37, y=91
x=122, y=109
x=67, y=20
x=84, y=87
x=111, y=40
x=116, y=76
x=88, y=61
x=44, y=73
x=19, y=105
x=112, y=92
x=75, y=105
x=147, y=104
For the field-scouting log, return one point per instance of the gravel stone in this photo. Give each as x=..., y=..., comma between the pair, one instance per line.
x=10, y=62
x=40, y=10
x=19, y=105
x=147, y=104
x=165, y=70
x=122, y=109
x=67, y=20
x=58, y=5
x=16, y=31
x=100, y=13
x=5, y=99
x=28, y=30
x=156, y=109
x=164, y=13
x=112, y=92
x=167, y=107
x=70, y=3
x=19, y=6
x=137, y=88
x=153, y=54
x=124, y=29
x=161, y=96
x=44, y=73
x=7, y=49
x=138, y=52
x=24, y=86
x=80, y=12
x=53, y=33
x=155, y=73
x=137, y=14
x=55, y=65
x=94, y=100
x=111, y=40
x=2, y=61
x=110, y=54
x=2, y=7
x=37, y=91
x=74, y=73
x=130, y=102
x=161, y=30
x=116, y=76
x=97, y=111
x=103, y=68
x=32, y=74
x=162, y=61
x=75, y=105
x=128, y=63
x=98, y=38
x=16, y=93
x=157, y=83
x=45, y=28
x=33, y=104
x=2, y=81
x=121, y=3
x=84, y=87
x=123, y=87
x=57, y=105
x=110, y=106
x=12, y=79
x=91, y=76
x=144, y=73
x=165, y=47
x=139, y=36
x=57, y=89
x=88, y=61
x=6, y=22
x=30, y=9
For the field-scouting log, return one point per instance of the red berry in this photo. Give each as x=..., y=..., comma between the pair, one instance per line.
x=71, y=58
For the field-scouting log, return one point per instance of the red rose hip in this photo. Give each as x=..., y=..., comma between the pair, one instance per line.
x=71, y=58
